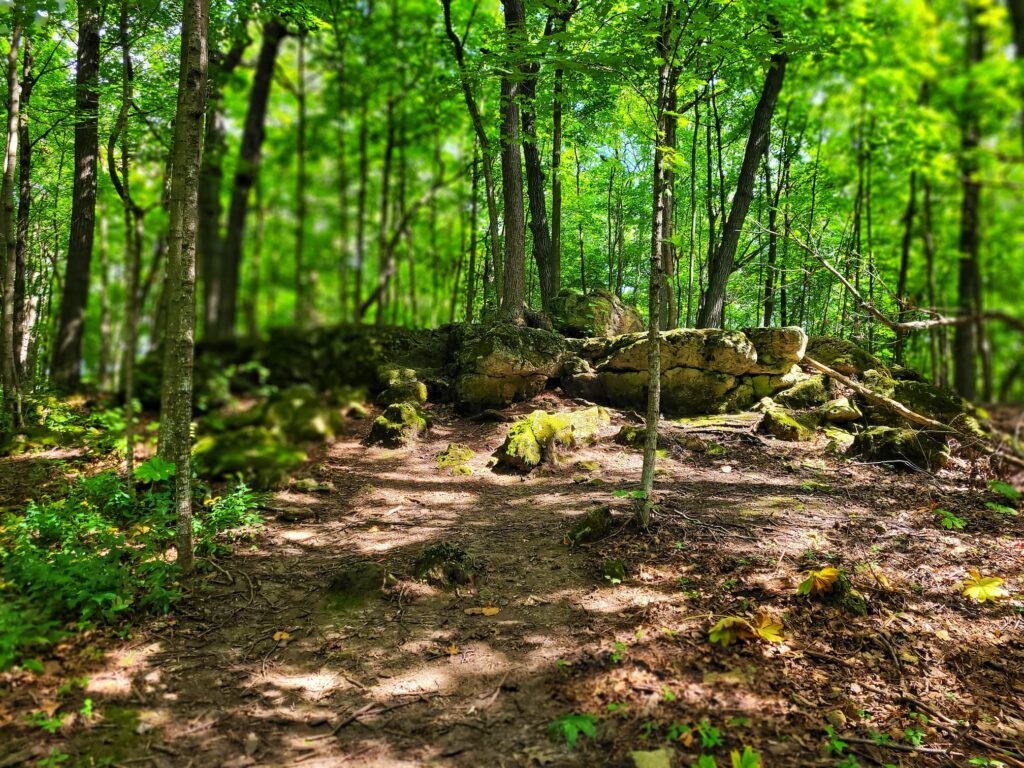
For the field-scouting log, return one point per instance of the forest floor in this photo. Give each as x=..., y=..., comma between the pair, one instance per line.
x=409, y=678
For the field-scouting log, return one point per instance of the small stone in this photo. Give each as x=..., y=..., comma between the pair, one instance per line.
x=836, y=718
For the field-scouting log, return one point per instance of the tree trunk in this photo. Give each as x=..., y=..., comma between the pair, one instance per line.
x=556, y=179
x=712, y=310
x=67, y=360
x=485, y=148
x=175, y=444
x=514, y=287
x=22, y=371
x=223, y=325
x=1017, y=16
x=471, y=269
x=901, y=280
x=965, y=336
x=210, y=254
x=303, y=301
x=8, y=234
x=547, y=269
x=361, y=192
x=579, y=223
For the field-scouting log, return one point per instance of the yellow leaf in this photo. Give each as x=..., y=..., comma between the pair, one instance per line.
x=452, y=649
x=818, y=582
x=767, y=628
x=374, y=529
x=281, y=636
x=728, y=630
x=211, y=501
x=982, y=588
x=489, y=610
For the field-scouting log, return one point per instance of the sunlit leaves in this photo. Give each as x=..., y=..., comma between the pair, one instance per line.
x=983, y=588
x=818, y=582
x=732, y=629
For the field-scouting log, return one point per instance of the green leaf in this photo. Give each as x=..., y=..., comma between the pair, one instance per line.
x=155, y=470
x=1005, y=490
x=570, y=726
x=747, y=759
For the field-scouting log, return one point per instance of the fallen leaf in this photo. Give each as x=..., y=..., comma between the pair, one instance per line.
x=452, y=649
x=767, y=628
x=728, y=630
x=818, y=582
x=489, y=610
x=281, y=637
x=982, y=588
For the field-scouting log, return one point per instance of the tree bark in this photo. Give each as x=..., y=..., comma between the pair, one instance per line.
x=175, y=444
x=965, y=337
x=543, y=254
x=720, y=267
x=8, y=233
x=67, y=359
x=210, y=254
x=486, y=151
x=904, y=271
x=223, y=324
x=514, y=286
x=303, y=301
x=22, y=371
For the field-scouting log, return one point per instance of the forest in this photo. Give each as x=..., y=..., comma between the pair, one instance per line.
x=515, y=383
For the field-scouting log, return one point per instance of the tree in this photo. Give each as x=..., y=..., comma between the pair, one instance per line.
x=179, y=347
x=8, y=234
x=722, y=262
x=67, y=359
x=513, y=295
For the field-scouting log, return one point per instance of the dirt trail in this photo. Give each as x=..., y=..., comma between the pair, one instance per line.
x=410, y=679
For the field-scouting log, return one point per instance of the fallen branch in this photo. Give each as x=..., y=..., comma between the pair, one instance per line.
x=901, y=410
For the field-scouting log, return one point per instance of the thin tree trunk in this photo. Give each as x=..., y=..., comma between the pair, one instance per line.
x=106, y=331
x=361, y=194
x=965, y=336
x=210, y=254
x=245, y=176
x=67, y=360
x=8, y=233
x=904, y=271
x=473, y=213
x=486, y=151
x=21, y=321
x=514, y=287
x=175, y=444
x=303, y=301
x=252, y=293
x=579, y=225
x=712, y=311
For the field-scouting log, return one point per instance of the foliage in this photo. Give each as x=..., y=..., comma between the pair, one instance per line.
x=97, y=556
x=819, y=582
x=983, y=588
x=568, y=727
x=949, y=521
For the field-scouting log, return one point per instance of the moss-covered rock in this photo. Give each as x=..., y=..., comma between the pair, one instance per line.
x=259, y=455
x=446, y=566
x=807, y=393
x=768, y=384
x=591, y=527
x=543, y=436
x=455, y=458
x=399, y=425
x=299, y=414
x=503, y=363
x=598, y=313
x=403, y=392
x=842, y=355
x=710, y=350
x=614, y=571
x=840, y=411
x=902, y=447
x=778, y=349
x=783, y=424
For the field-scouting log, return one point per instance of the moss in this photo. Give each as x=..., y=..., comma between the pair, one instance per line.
x=598, y=313
x=400, y=424
x=614, y=571
x=902, y=447
x=782, y=424
x=403, y=392
x=842, y=355
x=810, y=392
x=777, y=348
x=545, y=436
x=445, y=565
x=593, y=526
x=257, y=454
x=840, y=411
x=454, y=458
x=299, y=414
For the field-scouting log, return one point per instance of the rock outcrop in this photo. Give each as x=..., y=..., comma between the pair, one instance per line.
x=598, y=313
x=543, y=436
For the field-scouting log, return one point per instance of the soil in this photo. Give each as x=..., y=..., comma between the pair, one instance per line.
x=263, y=665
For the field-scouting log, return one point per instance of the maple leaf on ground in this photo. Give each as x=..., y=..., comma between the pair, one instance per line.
x=728, y=630
x=818, y=582
x=983, y=588
x=767, y=628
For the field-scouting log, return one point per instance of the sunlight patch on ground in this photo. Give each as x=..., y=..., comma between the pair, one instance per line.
x=116, y=680
x=621, y=598
x=311, y=685
x=296, y=534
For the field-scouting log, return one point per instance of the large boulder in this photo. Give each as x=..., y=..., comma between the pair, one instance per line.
x=842, y=355
x=543, y=436
x=299, y=414
x=598, y=313
x=921, y=397
x=778, y=349
x=902, y=447
x=504, y=363
x=705, y=349
x=807, y=393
